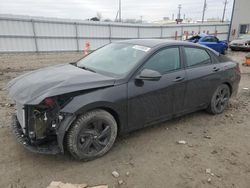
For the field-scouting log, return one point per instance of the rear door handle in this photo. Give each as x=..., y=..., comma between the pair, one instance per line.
x=215, y=69
x=178, y=79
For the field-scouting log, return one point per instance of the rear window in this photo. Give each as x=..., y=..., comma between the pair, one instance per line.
x=194, y=38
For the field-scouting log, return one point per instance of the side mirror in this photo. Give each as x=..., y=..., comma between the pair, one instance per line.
x=148, y=74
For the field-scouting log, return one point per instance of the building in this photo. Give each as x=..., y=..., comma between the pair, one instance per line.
x=240, y=23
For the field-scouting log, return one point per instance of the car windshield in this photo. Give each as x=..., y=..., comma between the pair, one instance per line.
x=115, y=59
x=244, y=37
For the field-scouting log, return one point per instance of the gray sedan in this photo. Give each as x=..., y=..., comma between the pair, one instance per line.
x=242, y=43
x=81, y=107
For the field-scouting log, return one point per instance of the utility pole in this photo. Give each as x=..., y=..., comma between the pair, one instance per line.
x=120, y=11
x=204, y=9
x=178, y=20
x=179, y=13
x=224, y=11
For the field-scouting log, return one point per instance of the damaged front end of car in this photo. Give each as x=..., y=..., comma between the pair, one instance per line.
x=37, y=127
x=41, y=123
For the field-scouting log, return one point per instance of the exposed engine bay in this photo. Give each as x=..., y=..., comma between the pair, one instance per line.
x=41, y=121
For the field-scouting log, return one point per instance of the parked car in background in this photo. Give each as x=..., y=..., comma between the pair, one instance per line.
x=242, y=43
x=210, y=41
x=81, y=107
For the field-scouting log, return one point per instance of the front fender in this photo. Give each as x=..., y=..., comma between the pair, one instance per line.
x=110, y=97
x=114, y=99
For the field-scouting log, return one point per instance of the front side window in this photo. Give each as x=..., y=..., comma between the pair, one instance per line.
x=215, y=39
x=210, y=39
x=196, y=56
x=164, y=61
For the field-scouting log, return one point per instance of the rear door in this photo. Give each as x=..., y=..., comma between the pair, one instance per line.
x=203, y=77
x=151, y=101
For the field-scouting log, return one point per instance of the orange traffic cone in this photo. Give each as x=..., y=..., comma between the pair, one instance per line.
x=87, y=48
x=247, y=62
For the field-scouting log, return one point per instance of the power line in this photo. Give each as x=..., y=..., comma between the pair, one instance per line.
x=204, y=9
x=224, y=10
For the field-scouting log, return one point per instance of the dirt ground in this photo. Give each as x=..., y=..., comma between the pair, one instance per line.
x=151, y=156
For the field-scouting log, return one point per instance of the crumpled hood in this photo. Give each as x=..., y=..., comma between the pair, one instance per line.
x=34, y=87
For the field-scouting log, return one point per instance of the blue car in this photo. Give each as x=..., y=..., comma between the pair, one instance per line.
x=210, y=41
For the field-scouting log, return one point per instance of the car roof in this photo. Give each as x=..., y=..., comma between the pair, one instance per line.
x=205, y=35
x=153, y=43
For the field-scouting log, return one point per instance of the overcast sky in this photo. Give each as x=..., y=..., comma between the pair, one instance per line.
x=151, y=10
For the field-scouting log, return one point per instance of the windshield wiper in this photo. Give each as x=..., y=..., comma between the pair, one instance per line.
x=86, y=68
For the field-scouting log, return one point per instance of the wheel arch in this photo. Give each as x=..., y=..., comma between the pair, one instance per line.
x=114, y=114
x=230, y=87
x=109, y=107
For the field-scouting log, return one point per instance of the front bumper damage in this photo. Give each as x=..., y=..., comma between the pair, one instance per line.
x=41, y=128
x=52, y=147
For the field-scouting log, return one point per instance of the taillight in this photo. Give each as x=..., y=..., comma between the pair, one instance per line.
x=50, y=102
x=237, y=67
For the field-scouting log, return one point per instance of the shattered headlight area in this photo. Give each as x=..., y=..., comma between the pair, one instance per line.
x=36, y=126
x=42, y=121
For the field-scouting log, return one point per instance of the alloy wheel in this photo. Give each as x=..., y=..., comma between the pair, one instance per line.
x=221, y=99
x=94, y=137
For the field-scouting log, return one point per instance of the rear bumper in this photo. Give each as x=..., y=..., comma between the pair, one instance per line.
x=49, y=148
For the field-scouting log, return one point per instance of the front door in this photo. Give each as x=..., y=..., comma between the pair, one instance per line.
x=152, y=101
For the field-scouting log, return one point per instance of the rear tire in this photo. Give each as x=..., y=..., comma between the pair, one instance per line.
x=219, y=100
x=92, y=135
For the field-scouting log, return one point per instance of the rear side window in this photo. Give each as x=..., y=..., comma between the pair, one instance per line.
x=196, y=56
x=164, y=61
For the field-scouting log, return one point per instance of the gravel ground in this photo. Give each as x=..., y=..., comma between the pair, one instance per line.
x=217, y=153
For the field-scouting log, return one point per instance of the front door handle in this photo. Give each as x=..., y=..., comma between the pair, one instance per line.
x=215, y=69
x=178, y=79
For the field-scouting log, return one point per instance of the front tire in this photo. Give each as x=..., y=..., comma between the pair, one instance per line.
x=219, y=100
x=92, y=135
